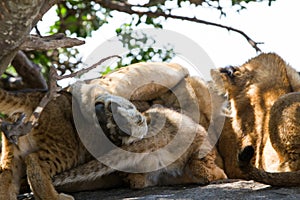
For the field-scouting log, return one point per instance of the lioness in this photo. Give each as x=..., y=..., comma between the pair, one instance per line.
x=265, y=114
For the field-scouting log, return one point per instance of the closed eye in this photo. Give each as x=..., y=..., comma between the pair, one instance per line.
x=230, y=70
x=140, y=120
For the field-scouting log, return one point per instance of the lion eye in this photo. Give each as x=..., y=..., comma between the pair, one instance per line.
x=139, y=120
x=229, y=71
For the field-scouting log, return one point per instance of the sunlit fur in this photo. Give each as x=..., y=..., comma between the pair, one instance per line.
x=265, y=112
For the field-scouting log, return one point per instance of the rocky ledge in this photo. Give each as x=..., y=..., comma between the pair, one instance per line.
x=231, y=189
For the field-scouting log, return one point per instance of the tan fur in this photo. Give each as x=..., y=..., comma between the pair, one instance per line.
x=151, y=80
x=263, y=116
x=229, y=143
x=191, y=167
x=54, y=147
x=42, y=150
x=183, y=98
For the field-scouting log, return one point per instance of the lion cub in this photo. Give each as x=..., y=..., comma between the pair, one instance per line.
x=265, y=111
x=55, y=147
x=50, y=148
x=175, y=151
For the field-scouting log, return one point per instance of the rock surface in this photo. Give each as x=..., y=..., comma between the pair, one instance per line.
x=232, y=189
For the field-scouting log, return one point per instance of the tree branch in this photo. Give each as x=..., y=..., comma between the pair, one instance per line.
x=83, y=71
x=35, y=42
x=128, y=8
x=16, y=19
x=29, y=71
x=46, y=6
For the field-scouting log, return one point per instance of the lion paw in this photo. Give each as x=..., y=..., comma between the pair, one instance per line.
x=63, y=196
x=119, y=113
x=138, y=181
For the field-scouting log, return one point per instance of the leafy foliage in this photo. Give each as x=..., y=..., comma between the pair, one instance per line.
x=234, y=2
x=140, y=47
x=65, y=60
x=10, y=71
x=79, y=18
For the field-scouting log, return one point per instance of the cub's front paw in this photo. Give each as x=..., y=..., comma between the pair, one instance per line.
x=138, y=181
x=63, y=196
x=121, y=117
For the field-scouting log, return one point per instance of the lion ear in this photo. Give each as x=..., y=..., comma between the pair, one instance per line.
x=294, y=78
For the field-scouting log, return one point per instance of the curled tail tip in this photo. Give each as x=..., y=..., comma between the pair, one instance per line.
x=245, y=156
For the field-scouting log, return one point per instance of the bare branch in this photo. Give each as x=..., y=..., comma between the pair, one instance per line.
x=29, y=71
x=128, y=8
x=46, y=6
x=83, y=71
x=35, y=42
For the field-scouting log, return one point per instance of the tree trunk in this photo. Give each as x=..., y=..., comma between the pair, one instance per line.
x=16, y=21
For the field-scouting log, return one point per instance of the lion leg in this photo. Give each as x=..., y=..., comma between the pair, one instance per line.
x=87, y=176
x=40, y=181
x=204, y=170
x=139, y=181
x=10, y=171
x=197, y=171
x=284, y=128
x=7, y=190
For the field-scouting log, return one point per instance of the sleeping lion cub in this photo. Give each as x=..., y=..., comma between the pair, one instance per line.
x=55, y=159
x=265, y=111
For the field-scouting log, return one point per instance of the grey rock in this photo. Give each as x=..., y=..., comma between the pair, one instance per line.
x=231, y=189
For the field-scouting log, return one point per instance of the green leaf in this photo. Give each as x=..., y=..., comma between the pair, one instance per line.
x=107, y=71
x=63, y=11
x=118, y=30
x=149, y=20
